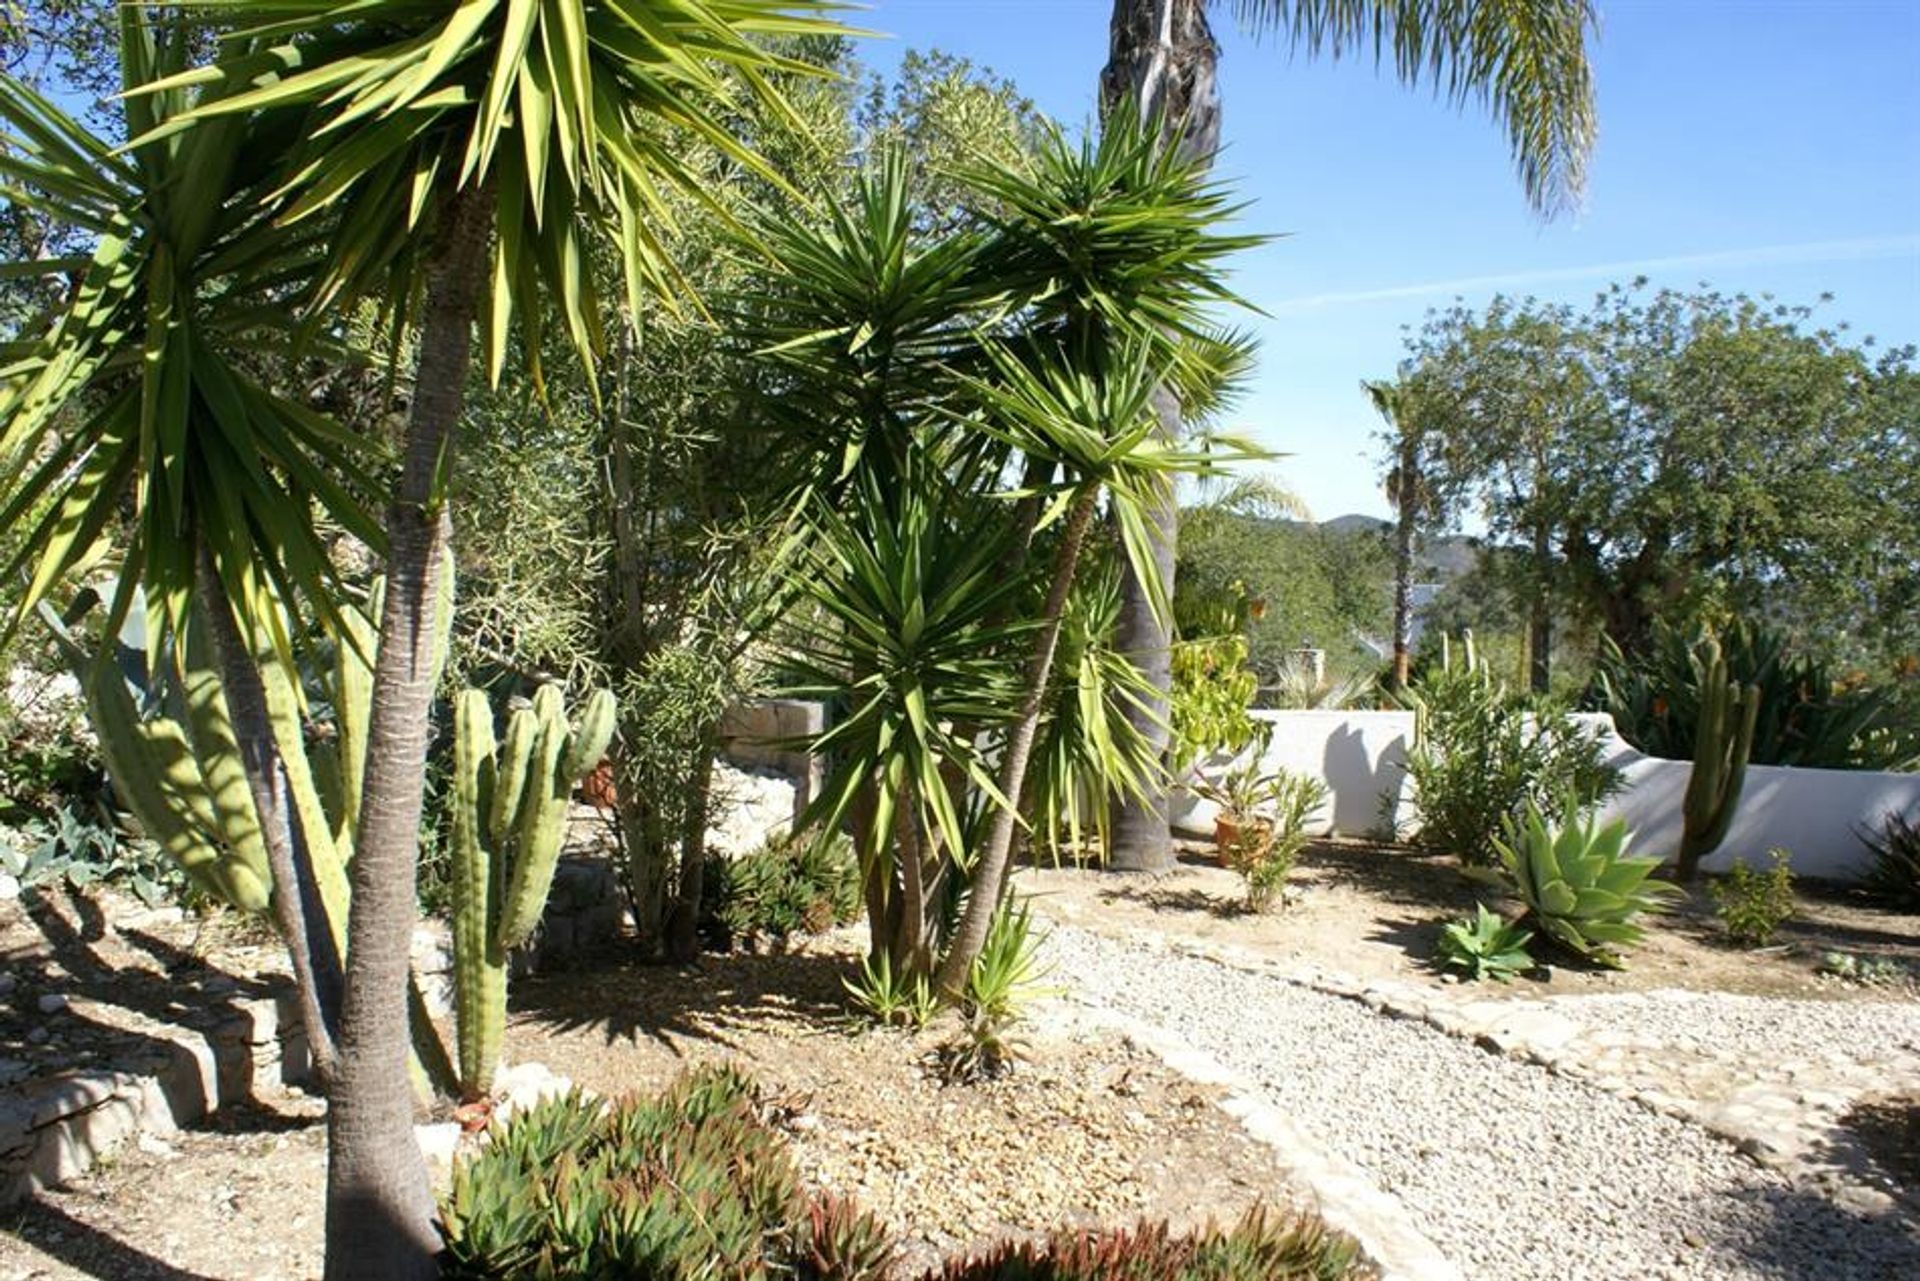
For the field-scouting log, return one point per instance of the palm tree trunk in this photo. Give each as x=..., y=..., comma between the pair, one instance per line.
x=1408, y=487
x=379, y=1203
x=297, y=907
x=1162, y=58
x=990, y=871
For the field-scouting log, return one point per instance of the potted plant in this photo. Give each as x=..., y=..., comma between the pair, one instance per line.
x=1262, y=824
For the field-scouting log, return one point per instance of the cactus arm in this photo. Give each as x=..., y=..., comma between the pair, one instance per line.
x=155, y=775
x=479, y=964
x=542, y=822
x=512, y=764
x=587, y=745
x=352, y=708
x=209, y=730
x=328, y=868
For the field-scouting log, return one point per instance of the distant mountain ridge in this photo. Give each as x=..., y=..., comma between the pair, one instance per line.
x=1439, y=559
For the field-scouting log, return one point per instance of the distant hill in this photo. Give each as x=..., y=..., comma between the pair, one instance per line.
x=1440, y=559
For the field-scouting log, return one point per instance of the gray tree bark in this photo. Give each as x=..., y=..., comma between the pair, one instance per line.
x=380, y=1212
x=1163, y=60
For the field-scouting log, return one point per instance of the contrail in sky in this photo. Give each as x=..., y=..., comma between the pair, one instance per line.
x=1811, y=251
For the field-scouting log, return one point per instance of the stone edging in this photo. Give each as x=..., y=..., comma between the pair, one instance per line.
x=53, y=1129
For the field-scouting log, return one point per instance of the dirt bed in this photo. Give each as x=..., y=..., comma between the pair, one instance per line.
x=1371, y=911
x=1087, y=1130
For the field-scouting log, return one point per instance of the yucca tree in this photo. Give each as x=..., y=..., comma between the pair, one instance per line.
x=151, y=392
x=1525, y=61
x=1411, y=490
x=464, y=152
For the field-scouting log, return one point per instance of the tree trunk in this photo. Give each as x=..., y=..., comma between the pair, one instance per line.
x=380, y=1209
x=297, y=908
x=683, y=939
x=1163, y=58
x=990, y=870
x=1540, y=625
x=1408, y=489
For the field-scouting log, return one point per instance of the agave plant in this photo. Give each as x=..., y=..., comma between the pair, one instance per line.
x=1579, y=884
x=1895, y=875
x=1486, y=946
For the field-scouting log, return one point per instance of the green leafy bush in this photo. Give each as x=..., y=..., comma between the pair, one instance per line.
x=1894, y=877
x=1486, y=947
x=1753, y=904
x=1481, y=756
x=1808, y=717
x=1262, y=1246
x=792, y=885
x=1208, y=702
x=1579, y=885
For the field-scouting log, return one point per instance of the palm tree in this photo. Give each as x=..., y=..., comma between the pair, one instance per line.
x=1524, y=60
x=148, y=390
x=1410, y=489
x=466, y=153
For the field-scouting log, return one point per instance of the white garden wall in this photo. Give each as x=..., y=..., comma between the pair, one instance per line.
x=1361, y=756
x=1811, y=813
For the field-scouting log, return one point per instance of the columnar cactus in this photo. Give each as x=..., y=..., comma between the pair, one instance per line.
x=509, y=811
x=1722, y=744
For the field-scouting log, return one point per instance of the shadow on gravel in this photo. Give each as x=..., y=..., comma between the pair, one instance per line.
x=88, y=1250
x=701, y=1002
x=1806, y=1235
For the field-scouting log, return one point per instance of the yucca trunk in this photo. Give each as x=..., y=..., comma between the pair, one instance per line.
x=379, y=1203
x=1407, y=487
x=990, y=868
x=297, y=908
x=1163, y=59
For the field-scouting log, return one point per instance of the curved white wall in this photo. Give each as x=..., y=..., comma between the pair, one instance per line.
x=1811, y=813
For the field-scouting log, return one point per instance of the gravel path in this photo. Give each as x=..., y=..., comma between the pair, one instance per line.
x=1766, y=1032
x=1512, y=1170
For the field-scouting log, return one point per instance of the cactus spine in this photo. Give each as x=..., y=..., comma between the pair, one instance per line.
x=1721, y=746
x=509, y=811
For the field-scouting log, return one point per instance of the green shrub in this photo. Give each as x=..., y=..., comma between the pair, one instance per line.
x=1867, y=971
x=1208, y=702
x=1486, y=947
x=1261, y=1247
x=791, y=885
x=1579, y=885
x=1482, y=756
x=1807, y=716
x=1753, y=904
x=1895, y=875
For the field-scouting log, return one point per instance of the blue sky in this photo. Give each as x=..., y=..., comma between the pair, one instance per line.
x=1760, y=145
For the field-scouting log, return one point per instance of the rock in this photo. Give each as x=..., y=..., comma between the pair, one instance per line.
x=438, y=1143
x=12, y=1070
x=38, y=1036
x=9, y=887
x=525, y=1084
x=52, y=1003
x=8, y=982
x=153, y=1145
